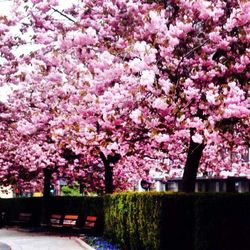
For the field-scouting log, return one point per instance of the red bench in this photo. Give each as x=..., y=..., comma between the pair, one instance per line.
x=71, y=223
x=90, y=223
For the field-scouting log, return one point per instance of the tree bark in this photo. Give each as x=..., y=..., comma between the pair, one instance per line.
x=108, y=179
x=108, y=174
x=46, y=194
x=47, y=181
x=192, y=164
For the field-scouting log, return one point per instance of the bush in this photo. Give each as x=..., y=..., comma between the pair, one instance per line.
x=71, y=191
x=177, y=222
x=154, y=220
x=115, y=217
x=83, y=205
x=12, y=208
x=149, y=220
x=223, y=222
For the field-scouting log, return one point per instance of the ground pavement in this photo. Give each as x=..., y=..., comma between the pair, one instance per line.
x=4, y=246
x=11, y=239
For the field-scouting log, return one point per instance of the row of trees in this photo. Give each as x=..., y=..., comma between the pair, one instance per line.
x=107, y=90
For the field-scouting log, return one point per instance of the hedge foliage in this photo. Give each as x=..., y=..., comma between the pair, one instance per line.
x=154, y=220
x=223, y=222
x=12, y=207
x=84, y=205
x=149, y=221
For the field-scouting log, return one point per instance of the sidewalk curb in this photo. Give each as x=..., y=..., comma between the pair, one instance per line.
x=83, y=244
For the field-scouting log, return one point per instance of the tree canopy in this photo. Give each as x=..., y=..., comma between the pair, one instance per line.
x=113, y=89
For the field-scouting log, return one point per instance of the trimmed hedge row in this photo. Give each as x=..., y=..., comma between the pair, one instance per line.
x=150, y=220
x=178, y=221
x=133, y=219
x=12, y=207
x=223, y=222
x=84, y=205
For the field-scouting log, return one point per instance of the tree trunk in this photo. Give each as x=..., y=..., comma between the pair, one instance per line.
x=192, y=164
x=108, y=178
x=47, y=182
x=46, y=194
x=108, y=174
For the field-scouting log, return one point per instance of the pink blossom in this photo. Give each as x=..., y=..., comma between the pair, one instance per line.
x=161, y=138
x=26, y=128
x=211, y=97
x=137, y=65
x=195, y=123
x=166, y=85
x=173, y=42
x=197, y=138
x=140, y=47
x=86, y=38
x=3, y=28
x=36, y=1
x=159, y=103
x=113, y=146
x=66, y=44
x=234, y=110
x=191, y=93
x=136, y=116
x=147, y=78
x=215, y=36
x=156, y=21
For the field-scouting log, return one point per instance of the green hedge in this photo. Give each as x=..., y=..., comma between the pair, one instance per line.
x=177, y=222
x=223, y=222
x=12, y=208
x=83, y=205
x=149, y=220
x=153, y=220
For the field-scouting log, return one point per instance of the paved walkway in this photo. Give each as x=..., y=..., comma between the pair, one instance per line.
x=4, y=246
x=17, y=240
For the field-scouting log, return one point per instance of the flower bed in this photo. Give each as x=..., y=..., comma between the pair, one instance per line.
x=100, y=243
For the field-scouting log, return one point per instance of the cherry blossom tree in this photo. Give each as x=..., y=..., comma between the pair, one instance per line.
x=129, y=85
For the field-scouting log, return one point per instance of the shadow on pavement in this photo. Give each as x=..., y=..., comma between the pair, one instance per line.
x=4, y=246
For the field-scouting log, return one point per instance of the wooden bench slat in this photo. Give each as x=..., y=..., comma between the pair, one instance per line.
x=70, y=220
x=91, y=218
x=90, y=222
x=71, y=217
x=25, y=215
x=55, y=220
x=24, y=219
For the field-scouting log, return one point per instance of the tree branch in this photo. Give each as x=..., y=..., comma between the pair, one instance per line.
x=179, y=64
x=103, y=157
x=64, y=15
